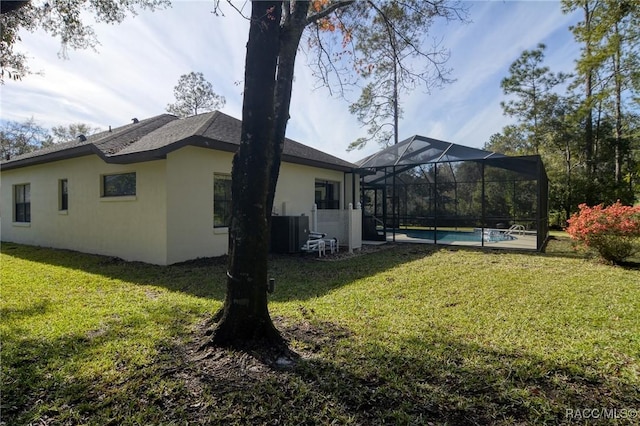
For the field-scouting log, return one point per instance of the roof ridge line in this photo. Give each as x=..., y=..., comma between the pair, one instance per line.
x=114, y=134
x=133, y=127
x=200, y=130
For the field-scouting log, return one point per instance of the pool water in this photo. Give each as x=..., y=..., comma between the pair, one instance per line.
x=457, y=236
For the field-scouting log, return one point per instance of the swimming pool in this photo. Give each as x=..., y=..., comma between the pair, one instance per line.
x=490, y=235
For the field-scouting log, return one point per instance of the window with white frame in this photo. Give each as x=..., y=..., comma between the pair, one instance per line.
x=221, y=200
x=22, y=203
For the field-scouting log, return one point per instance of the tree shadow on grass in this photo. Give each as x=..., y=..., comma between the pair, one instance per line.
x=197, y=278
x=456, y=382
x=341, y=378
x=102, y=376
x=37, y=308
x=436, y=379
x=298, y=277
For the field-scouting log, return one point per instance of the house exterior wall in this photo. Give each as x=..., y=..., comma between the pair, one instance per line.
x=132, y=227
x=190, y=228
x=189, y=181
x=295, y=192
x=169, y=220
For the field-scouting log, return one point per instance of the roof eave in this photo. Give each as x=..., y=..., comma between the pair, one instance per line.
x=320, y=164
x=204, y=142
x=75, y=152
x=161, y=153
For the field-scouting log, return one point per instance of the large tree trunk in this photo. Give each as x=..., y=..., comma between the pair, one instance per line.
x=274, y=37
x=291, y=33
x=271, y=53
x=245, y=317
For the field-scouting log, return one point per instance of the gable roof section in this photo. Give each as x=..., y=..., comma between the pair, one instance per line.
x=155, y=137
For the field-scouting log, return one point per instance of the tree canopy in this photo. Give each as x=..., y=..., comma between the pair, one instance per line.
x=587, y=132
x=531, y=85
x=72, y=131
x=399, y=60
x=17, y=138
x=65, y=20
x=194, y=95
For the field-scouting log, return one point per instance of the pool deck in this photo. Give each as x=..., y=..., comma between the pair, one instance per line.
x=527, y=241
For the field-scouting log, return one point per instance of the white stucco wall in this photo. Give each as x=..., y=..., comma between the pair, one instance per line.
x=190, y=171
x=295, y=193
x=132, y=228
x=190, y=228
x=169, y=220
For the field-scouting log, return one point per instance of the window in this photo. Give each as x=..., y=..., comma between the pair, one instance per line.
x=22, y=197
x=327, y=194
x=221, y=201
x=63, y=202
x=119, y=185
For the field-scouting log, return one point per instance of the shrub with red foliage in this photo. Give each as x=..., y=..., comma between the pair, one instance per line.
x=613, y=231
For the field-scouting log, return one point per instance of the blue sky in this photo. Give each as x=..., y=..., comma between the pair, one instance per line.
x=137, y=64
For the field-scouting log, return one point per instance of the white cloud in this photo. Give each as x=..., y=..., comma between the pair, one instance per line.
x=468, y=111
x=139, y=62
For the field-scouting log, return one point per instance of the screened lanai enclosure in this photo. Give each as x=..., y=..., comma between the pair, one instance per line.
x=427, y=190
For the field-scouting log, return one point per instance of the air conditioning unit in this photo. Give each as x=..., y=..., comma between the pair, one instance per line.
x=288, y=233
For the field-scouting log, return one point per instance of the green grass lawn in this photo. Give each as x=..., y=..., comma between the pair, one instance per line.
x=409, y=334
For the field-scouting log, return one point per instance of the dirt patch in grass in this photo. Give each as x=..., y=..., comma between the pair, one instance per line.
x=251, y=384
x=305, y=339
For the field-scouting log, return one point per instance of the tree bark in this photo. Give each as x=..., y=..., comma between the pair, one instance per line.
x=569, y=194
x=245, y=317
x=291, y=33
x=271, y=53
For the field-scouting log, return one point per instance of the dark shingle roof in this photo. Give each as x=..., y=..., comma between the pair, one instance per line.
x=155, y=137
